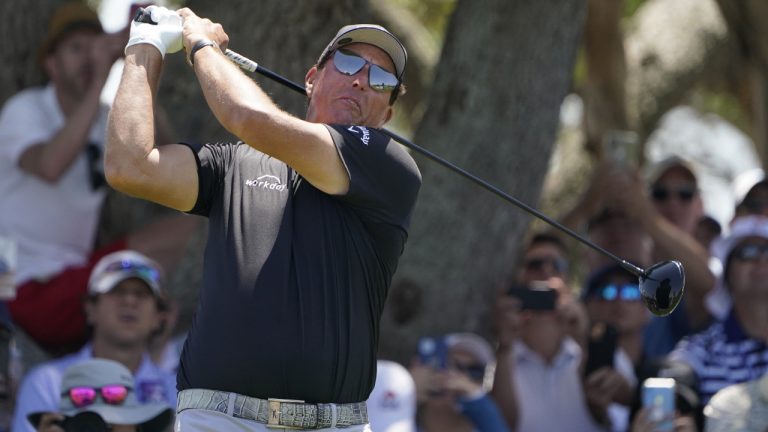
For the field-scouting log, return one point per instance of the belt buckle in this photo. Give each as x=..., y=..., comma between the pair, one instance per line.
x=275, y=413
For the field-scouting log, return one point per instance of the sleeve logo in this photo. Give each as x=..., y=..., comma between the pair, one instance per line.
x=365, y=136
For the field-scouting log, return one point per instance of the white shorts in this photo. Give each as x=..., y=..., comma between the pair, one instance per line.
x=200, y=420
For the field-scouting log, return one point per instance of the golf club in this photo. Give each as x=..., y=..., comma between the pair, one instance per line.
x=661, y=285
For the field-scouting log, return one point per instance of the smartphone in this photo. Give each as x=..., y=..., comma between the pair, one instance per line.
x=535, y=298
x=658, y=396
x=621, y=147
x=601, y=347
x=433, y=352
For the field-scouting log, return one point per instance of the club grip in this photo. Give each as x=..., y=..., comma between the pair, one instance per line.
x=143, y=16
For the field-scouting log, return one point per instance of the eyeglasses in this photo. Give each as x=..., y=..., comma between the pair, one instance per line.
x=750, y=252
x=378, y=78
x=683, y=193
x=145, y=271
x=613, y=292
x=537, y=264
x=83, y=396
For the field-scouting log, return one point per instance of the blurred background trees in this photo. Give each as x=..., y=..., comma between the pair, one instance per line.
x=487, y=80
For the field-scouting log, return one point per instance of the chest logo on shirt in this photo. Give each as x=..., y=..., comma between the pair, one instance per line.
x=266, y=181
x=365, y=136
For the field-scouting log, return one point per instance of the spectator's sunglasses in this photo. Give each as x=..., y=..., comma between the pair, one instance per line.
x=379, y=78
x=683, y=193
x=613, y=292
x=83, y=396
x=145, y=271
x=750, y=252
x=536, y=264
x=475, y=371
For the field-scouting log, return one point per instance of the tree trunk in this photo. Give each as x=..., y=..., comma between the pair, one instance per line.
x=746, y=20
x=494, y=111
x=22, y=31
x=669, y=47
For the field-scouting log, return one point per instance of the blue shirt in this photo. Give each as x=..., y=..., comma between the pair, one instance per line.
x=722, y=355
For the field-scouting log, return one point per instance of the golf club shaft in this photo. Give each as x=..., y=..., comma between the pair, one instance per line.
x=252, y=66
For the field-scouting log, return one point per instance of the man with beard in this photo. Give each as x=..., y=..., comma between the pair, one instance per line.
x=52, y=186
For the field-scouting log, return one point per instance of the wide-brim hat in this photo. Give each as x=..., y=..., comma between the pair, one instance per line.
x=67, y=18
x=97, y=373
x=655, y=170
x=370, y=34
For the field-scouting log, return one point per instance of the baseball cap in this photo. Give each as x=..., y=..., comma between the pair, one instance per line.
x=119, y=266
x=370, y=34
x=67, y=18
x=97, y=373
x=392, y=403
x=658, y=169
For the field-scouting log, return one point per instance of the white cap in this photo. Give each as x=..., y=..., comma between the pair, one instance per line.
x=392, y=403
x=718, y=300
x=119, y=266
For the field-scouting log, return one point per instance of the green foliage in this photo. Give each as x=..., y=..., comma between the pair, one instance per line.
x=723, y=103
x=631, y=6
x=434, y=14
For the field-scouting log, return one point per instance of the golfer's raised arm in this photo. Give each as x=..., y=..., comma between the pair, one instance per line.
x=166, y=175
x=245, y=110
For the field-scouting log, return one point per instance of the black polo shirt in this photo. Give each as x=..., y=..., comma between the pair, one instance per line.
x=294, y=279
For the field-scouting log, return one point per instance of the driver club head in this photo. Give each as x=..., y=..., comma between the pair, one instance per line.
x=662, y=286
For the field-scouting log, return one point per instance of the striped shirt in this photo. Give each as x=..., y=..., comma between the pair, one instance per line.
x=722, y=355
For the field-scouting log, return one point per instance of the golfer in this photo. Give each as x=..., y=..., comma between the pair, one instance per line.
x=308, y=219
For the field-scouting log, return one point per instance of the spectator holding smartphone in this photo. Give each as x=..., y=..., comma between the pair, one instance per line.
x=618, y=318
x=452, y=385
x=538, y=384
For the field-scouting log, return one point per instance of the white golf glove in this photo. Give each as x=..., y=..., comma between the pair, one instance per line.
x=165, y=35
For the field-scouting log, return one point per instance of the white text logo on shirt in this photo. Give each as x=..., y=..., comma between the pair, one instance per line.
x=361, y=130
x=266, y=181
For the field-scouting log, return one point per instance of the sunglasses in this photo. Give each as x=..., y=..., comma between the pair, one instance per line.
x=378, y=78
x=683, y=193
x=475, y=371
x=750, y=252
x=83, y=396
x=536, y=264
x=145, y=271
x=613, y=292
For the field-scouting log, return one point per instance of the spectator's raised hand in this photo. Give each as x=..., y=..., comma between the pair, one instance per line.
x=507, y=320
x=426, y=380
x=643, y=422
x=105, y=50
x=459, y=384
x=605, y=386
x=49, y=422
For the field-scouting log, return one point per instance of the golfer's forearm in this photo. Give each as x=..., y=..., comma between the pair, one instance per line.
x=237, y=102
x=131, y=129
